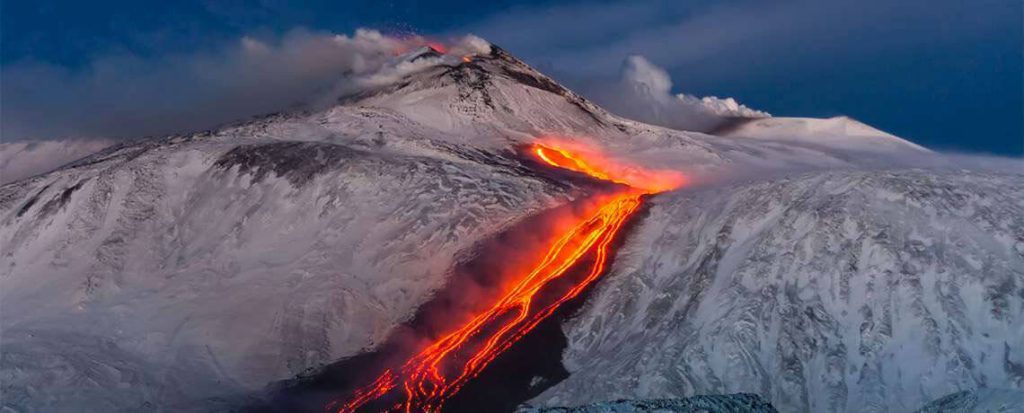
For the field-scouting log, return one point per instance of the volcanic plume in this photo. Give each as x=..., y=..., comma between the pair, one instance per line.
x=440, y=370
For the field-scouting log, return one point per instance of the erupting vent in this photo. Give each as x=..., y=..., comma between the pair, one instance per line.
x=438, y=371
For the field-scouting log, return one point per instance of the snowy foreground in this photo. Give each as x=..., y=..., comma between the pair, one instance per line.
x=823, y=275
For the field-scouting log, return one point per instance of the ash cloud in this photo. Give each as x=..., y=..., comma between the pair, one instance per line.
x=125, y=96
x=644, y=93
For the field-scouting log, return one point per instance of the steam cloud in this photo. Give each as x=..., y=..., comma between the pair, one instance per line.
x=128, y=96
x=644, y=93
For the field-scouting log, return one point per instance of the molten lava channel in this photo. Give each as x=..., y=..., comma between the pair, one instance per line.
x=437, y=372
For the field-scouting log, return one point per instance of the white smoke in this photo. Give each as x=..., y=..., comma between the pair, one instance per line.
x=470, y=45
x=644, y=93
x=725, y=107
x=129, y=96
x=466, y=46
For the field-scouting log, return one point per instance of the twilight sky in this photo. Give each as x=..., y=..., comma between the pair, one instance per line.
x=946, y=74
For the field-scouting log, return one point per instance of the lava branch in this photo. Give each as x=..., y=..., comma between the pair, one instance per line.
x=440, y=370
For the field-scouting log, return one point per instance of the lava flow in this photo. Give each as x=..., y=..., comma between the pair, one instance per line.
x=438, y=371
x=579, y=159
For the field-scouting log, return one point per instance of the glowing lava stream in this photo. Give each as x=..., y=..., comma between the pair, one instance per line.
x=438, y=371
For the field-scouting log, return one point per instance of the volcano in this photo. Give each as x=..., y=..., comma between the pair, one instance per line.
x=821, y=265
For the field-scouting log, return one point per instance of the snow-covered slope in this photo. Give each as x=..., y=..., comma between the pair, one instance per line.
x=176, y=272
x=842, y=291
x=170, y=271
x=840, y=132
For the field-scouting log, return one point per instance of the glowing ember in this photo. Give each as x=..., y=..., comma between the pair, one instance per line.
x=438, y=371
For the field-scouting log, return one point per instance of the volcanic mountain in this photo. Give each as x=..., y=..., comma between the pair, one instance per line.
x=800, y=263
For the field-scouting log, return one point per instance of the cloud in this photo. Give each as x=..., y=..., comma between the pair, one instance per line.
x=644, y=93
x=127, y=96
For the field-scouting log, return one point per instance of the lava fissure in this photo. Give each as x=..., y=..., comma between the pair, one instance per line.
x=437, y=372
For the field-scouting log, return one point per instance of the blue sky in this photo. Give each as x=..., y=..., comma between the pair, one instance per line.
x=946, y=74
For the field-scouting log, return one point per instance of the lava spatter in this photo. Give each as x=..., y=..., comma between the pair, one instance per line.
x=440, y=370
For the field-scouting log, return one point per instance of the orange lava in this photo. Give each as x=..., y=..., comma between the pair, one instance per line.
x=405, y=44
x=438, y=371
x=597, y=166
x=438, y=47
